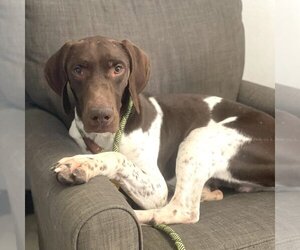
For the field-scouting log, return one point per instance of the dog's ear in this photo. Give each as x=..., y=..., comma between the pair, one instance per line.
x=139, y=71
x=56, y=75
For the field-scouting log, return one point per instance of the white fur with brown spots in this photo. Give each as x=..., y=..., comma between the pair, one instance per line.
x=204, y=153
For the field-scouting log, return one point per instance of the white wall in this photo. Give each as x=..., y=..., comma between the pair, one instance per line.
x=259, y=20
x=288, y=42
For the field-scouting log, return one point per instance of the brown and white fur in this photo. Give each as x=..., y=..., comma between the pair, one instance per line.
x=197, y=138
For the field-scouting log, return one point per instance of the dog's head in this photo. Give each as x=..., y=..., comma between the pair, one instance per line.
x=102, y=73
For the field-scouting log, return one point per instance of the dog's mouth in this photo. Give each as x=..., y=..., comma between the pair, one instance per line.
x=100, y=129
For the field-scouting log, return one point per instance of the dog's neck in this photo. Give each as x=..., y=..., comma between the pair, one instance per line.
x=142, y=120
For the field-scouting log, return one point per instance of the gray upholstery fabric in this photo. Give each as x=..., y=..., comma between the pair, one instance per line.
x=116, y=229
x=288, y=220
x=257, y=96
x=287, y=149
x=287, y=167
x=288, y=99
x=96, y=216
x=194, y=46
x=239, y=221
x=93, y=216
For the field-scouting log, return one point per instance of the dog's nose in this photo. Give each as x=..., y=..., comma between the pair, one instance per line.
x=101, y=116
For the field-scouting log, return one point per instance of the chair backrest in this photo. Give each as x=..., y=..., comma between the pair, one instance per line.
x=195, y=46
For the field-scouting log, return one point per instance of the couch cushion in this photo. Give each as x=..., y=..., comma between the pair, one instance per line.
x=257, y=96
x=287, y=149
x=288, y=99
x=194, y=46
x=239, y=221
x=287, y=218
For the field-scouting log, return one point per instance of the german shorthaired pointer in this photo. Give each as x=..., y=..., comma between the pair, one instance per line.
x=200, y=138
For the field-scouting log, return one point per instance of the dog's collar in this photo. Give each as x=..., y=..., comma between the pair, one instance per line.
x=92, y=146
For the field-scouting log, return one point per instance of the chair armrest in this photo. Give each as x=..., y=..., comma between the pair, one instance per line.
x=288, y=99
x=89, y=216
x=257, y=96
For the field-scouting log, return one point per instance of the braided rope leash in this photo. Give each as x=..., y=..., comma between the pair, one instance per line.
x=116, y=148
x=172, y=234
x=118, y=136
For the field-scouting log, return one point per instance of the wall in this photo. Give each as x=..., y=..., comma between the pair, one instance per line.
x=288, y=42
x=259, y=20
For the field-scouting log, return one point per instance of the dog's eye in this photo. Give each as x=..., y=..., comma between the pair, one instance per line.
x=118, y=69
x=78, y=70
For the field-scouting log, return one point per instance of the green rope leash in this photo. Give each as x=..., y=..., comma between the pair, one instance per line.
x=116, y=148
x=172, y=234
x=118, y=136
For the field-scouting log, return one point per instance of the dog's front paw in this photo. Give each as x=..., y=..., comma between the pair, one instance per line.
x=73, y=170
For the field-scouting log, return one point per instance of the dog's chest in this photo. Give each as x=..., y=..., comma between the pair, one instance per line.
x=139, y=146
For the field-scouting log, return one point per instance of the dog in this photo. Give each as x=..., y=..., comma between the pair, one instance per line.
x=195, y=137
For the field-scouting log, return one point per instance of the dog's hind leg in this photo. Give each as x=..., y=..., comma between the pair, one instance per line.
x=193, y=169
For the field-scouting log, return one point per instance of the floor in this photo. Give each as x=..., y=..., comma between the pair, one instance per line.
x=31, y=236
